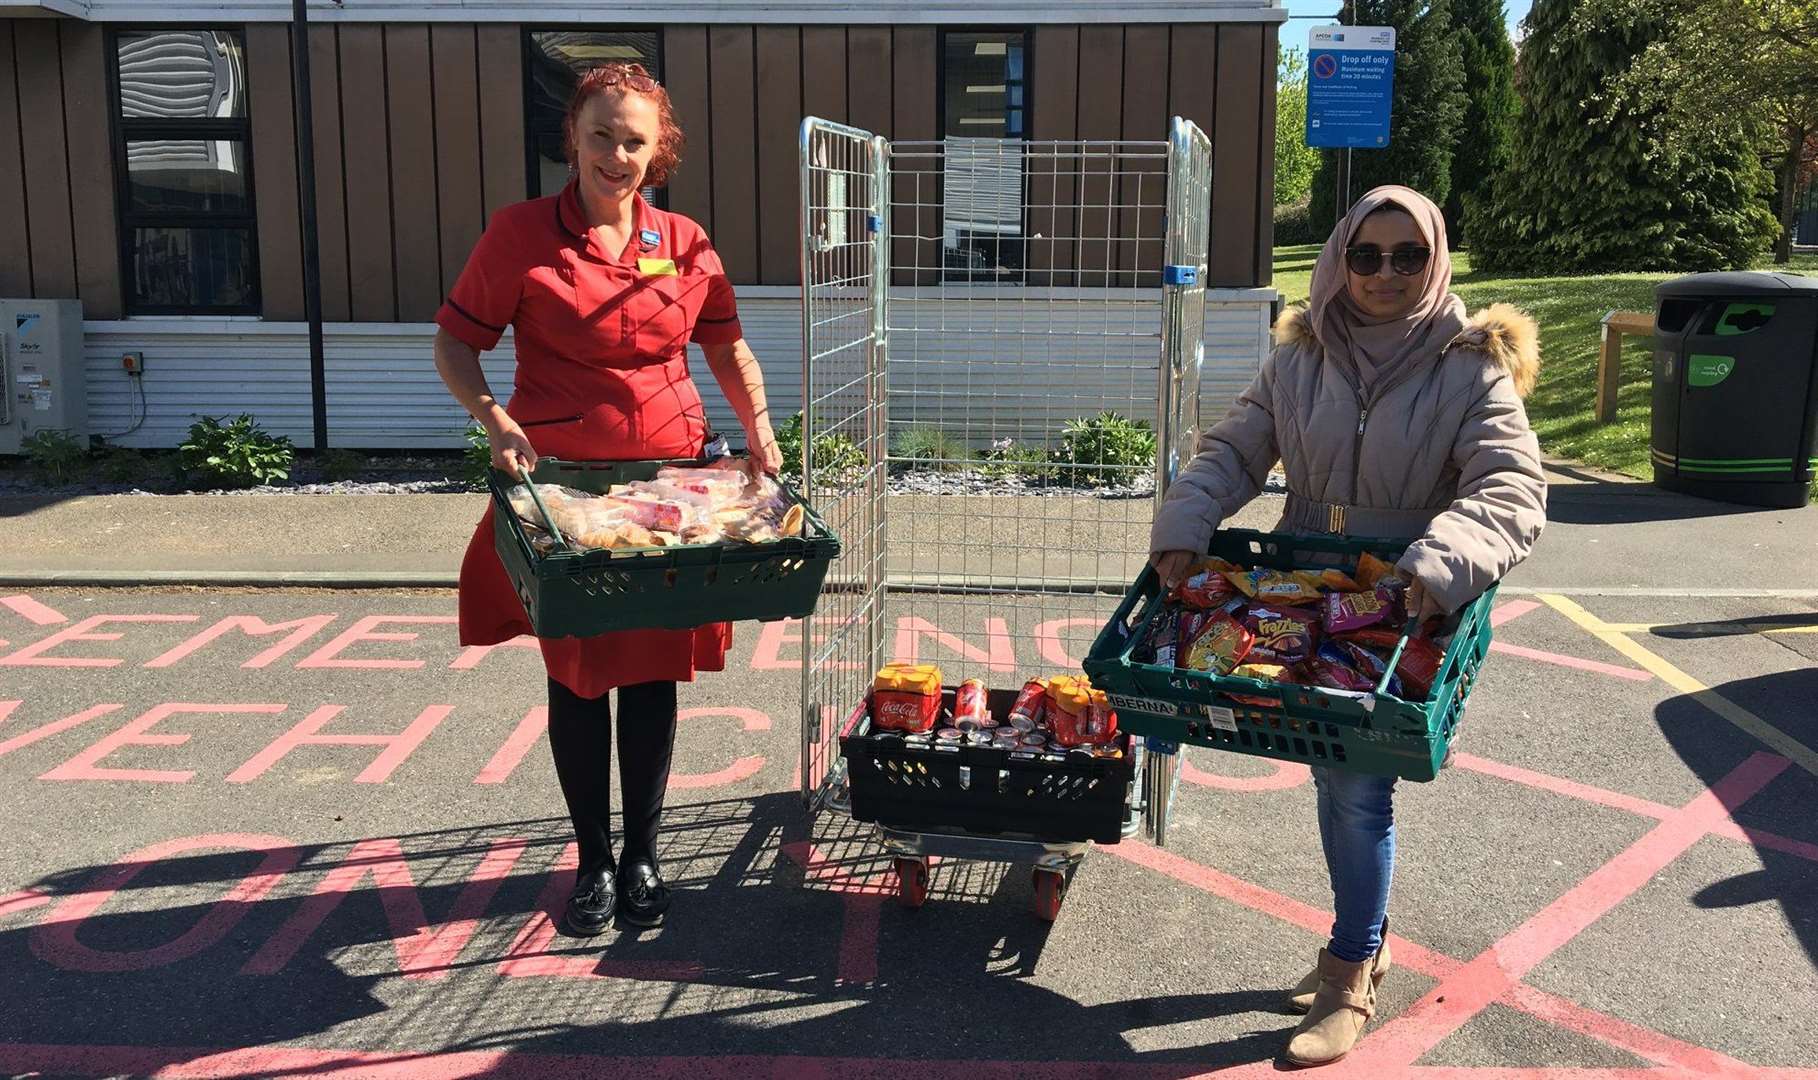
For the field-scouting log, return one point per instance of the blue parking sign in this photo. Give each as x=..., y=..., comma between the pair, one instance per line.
x=1350, y=86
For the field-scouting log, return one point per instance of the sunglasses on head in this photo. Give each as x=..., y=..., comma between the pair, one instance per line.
x=638, y=81
x=1366, y=259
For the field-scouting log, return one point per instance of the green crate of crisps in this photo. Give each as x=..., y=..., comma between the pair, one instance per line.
x=1366, y=733
x=576, y=593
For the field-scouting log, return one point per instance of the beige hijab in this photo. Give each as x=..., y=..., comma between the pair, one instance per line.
x=1379, y=349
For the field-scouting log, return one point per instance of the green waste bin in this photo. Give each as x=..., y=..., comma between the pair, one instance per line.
x=1736, y=387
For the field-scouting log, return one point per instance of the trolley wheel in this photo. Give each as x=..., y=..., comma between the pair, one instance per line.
x=1050, y=890
x=911, y=882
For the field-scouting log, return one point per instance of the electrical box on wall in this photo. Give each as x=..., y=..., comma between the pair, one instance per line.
x=42, y=384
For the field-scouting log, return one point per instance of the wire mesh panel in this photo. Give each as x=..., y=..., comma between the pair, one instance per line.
x=1024, y=356
x=1039, y=308
x=844, y=231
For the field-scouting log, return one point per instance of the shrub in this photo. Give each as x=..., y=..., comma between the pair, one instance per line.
x=56, y=456
x=1007, y=461
x=1294, y=225
x=1107, y=449
x=931, y=448
x=119, y=465
x=836, y=457
x=477, y=458
x=339, y=465
x=236, y=454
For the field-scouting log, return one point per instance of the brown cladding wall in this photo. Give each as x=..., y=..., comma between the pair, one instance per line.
x=419, y=136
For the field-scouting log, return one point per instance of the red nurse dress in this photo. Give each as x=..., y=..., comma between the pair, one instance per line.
x=602, y=375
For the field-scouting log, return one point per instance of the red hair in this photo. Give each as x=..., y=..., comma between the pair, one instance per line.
x=609, y=78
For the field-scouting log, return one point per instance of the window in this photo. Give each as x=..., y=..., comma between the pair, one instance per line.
x=555, y=60
x=985, y=119
x=182, y=158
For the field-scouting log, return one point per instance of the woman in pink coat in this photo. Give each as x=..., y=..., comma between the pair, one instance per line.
x=1394, y=414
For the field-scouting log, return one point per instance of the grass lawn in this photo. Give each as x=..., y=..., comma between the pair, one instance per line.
x=1569, y=310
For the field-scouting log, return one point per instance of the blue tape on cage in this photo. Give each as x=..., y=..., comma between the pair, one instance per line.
x=1180, y=275
x=874, y=223
x=1160, y=746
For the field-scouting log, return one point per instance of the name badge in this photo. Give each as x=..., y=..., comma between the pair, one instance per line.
x=657, y=267
x=650, y=238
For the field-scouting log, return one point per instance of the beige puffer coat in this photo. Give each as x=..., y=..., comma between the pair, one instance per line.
x=1441, y=454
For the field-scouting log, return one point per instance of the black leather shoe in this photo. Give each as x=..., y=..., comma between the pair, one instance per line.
x=644, y=899
x=591, y=906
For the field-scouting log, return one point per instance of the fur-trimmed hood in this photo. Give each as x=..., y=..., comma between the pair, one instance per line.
x=1503, y=333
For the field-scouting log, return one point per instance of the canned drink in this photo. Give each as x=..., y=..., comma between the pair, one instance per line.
x=987, y=722
x=969, y=701
x=948, y=734
x=1022, y=724
x=966, y=726
x=1034, y=739
x=1004, y=742
x=1031, y=701
x=980, y=738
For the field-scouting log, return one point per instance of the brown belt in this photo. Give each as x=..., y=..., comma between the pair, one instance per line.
x=1309, y=516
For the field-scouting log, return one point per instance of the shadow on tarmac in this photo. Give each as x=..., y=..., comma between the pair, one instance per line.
x=1599, y=502
x=1710, y=747
x=950, y=981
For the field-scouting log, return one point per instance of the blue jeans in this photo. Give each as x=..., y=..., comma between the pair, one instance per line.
x=1357, y=830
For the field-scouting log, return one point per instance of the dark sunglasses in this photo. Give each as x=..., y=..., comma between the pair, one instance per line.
x=1366, y=259
x=643, y=84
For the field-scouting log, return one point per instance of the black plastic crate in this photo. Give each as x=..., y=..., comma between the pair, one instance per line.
x=1020, y=794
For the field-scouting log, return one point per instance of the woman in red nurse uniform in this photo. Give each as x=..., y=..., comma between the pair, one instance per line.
x=605, y=292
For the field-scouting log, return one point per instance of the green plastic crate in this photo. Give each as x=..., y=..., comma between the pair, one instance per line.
x=1380, y=734
x=583, y=593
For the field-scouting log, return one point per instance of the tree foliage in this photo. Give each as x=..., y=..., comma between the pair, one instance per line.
x=1723, y=68
x=1594, y=182
x=1486, y=134
x=1295, y=161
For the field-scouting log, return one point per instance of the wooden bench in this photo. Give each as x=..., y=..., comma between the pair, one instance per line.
x=1609, y=358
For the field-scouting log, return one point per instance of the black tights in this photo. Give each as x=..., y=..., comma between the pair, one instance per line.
x=580, y=736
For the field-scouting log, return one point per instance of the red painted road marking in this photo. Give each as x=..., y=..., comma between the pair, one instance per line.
x=23, y=900
x=1416, y=957
x=510, y=755
x=301, y=630
x=137, y=732
x=1728, y=830
x=1461, y=996
x=31, y=610
x=1512, y=610
x=1287, y=774
x=423, y=952
x=45, y=731
x=864, y=897
x=1578, y=662
x=1515, y=609
x=33, y=655
x=54, y=940
x=215, y=1063
x=397, y=747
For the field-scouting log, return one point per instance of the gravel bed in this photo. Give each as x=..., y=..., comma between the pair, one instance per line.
x=428, y=476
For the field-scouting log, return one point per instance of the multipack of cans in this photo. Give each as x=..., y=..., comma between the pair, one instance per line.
x=1064, y=714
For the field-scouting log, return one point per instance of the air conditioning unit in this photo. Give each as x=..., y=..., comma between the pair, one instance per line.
x=41, y=371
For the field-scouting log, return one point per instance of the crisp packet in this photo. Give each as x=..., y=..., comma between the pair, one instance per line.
x=1219, y=646
x=1331, y=667
x=1164, y=639
x=1284, y=635
x=1289, y=586
x=1265, y=673
x=1186, y=630
x=1342, y=613
x=1206, y=585
x=1371, y=570
x=1368, y=662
